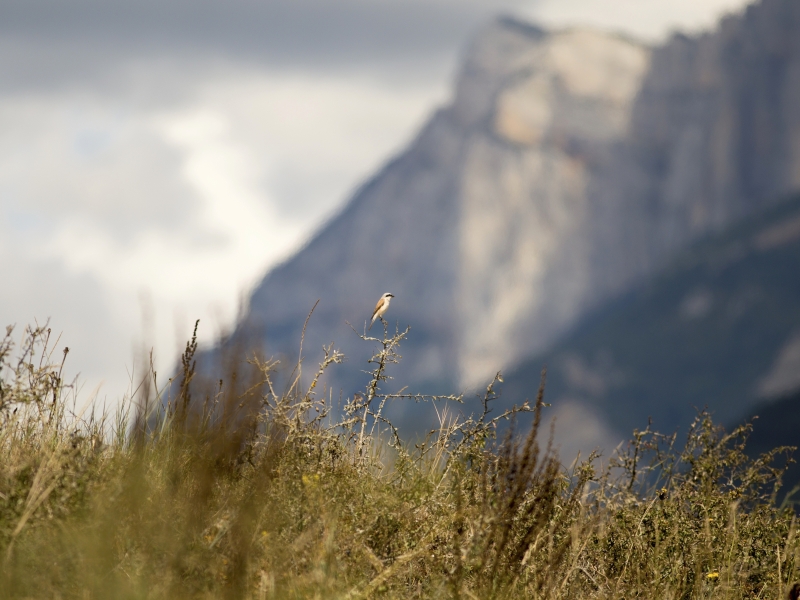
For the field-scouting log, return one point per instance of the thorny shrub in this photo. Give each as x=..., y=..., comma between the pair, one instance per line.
x=238, y=490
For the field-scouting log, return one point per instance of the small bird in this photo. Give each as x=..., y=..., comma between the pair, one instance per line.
x=381, y=307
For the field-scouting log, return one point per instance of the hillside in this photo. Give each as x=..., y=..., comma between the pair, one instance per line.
x=717, y=328
x=776, y=424
x=473, y=226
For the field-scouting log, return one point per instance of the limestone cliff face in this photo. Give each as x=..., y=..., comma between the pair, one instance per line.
x=479, y=227
x=552, y=104
x=715, y=135
x=557, y=101
x=567, y=165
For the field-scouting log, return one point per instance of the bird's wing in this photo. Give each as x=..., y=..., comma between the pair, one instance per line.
x=378, y=306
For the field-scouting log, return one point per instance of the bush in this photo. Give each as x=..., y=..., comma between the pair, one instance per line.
x=237, y=490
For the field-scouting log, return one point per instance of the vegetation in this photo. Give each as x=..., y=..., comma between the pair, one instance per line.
x=238, y=490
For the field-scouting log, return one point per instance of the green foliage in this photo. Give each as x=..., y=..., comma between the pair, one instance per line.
x=239, y=491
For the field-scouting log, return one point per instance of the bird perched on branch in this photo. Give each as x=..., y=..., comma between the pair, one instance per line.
x=381, y=307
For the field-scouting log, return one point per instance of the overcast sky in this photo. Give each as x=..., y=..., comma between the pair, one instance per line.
x=159, y=156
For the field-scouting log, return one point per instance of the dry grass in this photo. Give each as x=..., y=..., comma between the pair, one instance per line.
x=238, y=490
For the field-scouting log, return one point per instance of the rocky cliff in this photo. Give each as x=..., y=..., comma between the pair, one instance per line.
x=567, y=166
x=718, y=327
x=714, y=135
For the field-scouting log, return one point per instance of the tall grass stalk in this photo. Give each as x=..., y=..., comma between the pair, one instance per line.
x=237, y=490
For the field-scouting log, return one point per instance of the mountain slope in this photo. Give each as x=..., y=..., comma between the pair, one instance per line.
x=714, y=135
x=775, y=424
x=568, y=167
x=473, y=227
x=711, y=331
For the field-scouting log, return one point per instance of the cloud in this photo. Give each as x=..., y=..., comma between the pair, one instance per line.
x=650, y=20
x=189, y=202
x=50, y=42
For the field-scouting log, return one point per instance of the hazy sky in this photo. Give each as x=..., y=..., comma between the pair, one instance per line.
x=159, y=156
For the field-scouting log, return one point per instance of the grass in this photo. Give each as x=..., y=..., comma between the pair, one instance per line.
x=242, y=490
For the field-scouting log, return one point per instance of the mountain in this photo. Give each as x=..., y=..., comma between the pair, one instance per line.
x=713, y=137
x=476, y=227
x=719, y=327
x=568, y=168
x=775, y=424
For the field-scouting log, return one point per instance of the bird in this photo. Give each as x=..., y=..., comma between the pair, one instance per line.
x=381, y=307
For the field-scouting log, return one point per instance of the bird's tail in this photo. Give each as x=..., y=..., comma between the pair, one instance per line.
x=371, y=324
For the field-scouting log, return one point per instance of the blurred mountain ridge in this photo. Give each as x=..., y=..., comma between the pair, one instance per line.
x=716, y=329
x=568, y=168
